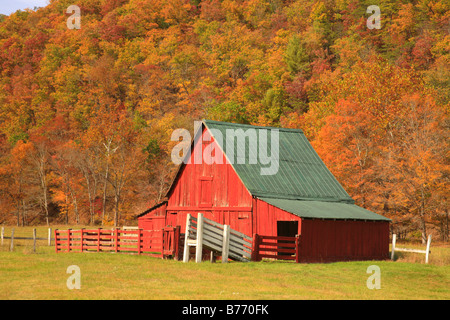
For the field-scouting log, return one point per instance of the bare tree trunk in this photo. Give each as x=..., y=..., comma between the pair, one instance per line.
x=40, y=161
x=118, y=182
x=116, y=210
x=104, y=193
x=23, y=213
x=44, y=187
x=18, y=215
x=162, y=182
x=446, y=230
x=91, y=189
x=92, y=199
x=108, y=153
x=75, y=206
x=423, y=226
x=422, y=218
x=444, y=227
x=91, y=195
x=66, y=203
x=18, y=203
x=88, y=187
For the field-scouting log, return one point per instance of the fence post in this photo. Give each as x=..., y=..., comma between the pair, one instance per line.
x=255, y=247
x=111, y=240
x=186, y=238
x=394, y=238
x=98, y=239
x=49, y=237
x=199, y=247
x=428, y=248
x=68, y=240
x=56, y=241
x=225, y=243
x=3, y=233
x=176, y=242
x=297, y=248
x=162, y=243
x=81, y=238
x=116, y=237
x=34, y=240
x=139, y=241
x=11, y=246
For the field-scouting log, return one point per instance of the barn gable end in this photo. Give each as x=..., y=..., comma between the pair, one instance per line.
x=212, y=189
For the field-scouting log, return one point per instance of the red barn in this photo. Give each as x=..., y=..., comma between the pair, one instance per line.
x=269, y=181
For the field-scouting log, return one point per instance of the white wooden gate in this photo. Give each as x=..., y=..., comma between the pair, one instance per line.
x=202, y=232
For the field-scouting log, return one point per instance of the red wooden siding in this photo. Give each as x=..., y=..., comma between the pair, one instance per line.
x=327, y=240
x=154, y=220
x=266, y=217
x=343, y=240
x=116, y=240
x=212, y=189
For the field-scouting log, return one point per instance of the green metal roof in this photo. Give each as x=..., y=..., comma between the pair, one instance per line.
x=324, y=210
x=300, y=174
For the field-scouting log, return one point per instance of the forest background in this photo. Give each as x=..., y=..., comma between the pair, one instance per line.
x=86, y=114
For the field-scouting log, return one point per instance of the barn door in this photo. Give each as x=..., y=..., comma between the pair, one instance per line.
x=286, y=229
x=171, y=241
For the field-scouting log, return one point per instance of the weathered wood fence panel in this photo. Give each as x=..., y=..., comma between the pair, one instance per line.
x=20, y=236
x=104, y=240
x=171, y=241
x=217, y=237
x=32, y=237
x=280, y=248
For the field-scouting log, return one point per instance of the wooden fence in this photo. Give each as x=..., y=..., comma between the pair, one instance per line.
x=217, y=237
x=104, y=240
x=168, y=242
x=200, y=233
x=395, y=248
x=21, y=237
x=280, y=248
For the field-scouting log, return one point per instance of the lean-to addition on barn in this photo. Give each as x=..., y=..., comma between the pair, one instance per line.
x=275, y=185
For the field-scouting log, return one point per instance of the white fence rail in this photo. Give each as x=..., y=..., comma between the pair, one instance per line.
x=202, y=232
x=426, y=252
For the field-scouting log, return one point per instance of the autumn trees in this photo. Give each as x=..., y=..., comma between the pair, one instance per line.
x=86, y=115
x=385, y=138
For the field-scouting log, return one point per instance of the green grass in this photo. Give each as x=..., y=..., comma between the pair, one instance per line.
x=42, y=275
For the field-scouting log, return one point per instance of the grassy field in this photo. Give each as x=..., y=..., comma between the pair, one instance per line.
x=25, y=274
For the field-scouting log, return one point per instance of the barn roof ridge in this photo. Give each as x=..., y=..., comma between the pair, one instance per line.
x=232, y=124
